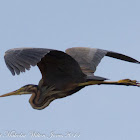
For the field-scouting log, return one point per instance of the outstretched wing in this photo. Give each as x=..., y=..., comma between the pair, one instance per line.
x=19, y=59
x=55, y=66
x=89, y=58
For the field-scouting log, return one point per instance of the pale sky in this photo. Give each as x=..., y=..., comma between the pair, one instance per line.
x=95, y=112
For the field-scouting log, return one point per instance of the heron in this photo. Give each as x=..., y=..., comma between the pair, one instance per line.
x=63, y=73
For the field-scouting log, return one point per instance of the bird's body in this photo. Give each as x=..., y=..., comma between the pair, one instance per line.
x=62, y=73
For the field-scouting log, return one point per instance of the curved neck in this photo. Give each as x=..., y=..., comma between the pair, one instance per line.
x=42, y=97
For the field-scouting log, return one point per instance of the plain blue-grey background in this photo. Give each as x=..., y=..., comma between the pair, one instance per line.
x=95, y=112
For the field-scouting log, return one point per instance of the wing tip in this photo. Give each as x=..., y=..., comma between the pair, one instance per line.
x=17, y=58
x=122, y=57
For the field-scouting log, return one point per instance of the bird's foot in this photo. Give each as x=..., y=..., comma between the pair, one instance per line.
x=129, y=82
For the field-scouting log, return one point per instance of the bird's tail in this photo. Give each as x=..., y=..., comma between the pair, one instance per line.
x=95, y=78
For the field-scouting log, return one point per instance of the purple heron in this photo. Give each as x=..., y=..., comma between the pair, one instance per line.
x=63, y=73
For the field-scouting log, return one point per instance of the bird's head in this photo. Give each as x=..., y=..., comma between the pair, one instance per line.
x=27, y=89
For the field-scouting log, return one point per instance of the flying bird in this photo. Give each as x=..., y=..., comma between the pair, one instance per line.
x=63, y=73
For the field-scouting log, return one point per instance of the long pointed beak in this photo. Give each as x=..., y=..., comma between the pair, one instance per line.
x=11, y=93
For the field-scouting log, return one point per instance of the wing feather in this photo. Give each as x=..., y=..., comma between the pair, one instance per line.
x=89, y=58
x=57, y=68
x=19, y=59
x=121, y=57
